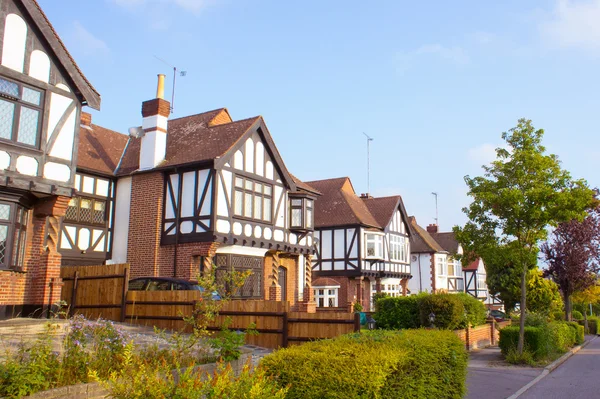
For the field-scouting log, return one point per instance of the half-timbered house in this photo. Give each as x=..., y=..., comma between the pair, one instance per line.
x=434, y=265
x=362, y=246
x=42, y=91
x=206, y=190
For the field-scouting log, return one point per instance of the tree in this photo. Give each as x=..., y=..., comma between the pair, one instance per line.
x=589, y=296
x=573, y=256
x=522, y=193
x=543, y=295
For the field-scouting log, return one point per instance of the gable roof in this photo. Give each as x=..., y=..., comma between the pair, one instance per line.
x=339, y=205
x=100, y=149
x=304, y=187
x=206, y=137
x=473, y=265
x=447, y=241
x=85, y=90
x=421, y=241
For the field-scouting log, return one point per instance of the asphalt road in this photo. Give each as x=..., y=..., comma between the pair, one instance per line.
x=494, y=383
x=578, y=377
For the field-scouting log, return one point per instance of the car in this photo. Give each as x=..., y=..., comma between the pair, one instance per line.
x=498, y=315
x=167, y=284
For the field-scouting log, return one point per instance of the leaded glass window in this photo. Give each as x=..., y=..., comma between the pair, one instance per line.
x=252, y=199
x=301, y=213
x=13, y=235
x=326, y=297
x=20, y=113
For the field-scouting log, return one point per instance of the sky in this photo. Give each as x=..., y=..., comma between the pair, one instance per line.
x=434, y=83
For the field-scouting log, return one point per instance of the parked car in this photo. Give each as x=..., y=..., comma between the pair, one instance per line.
x=498, y=315
x=167, y=284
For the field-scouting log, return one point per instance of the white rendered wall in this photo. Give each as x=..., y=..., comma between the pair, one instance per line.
x=420, y=282
x=39, y=66
x=15, y=37
x=121, y=227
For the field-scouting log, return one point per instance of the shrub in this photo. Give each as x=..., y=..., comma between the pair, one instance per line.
x=537, y=340
x=395, y=313
x=535, y=319
x=377, y=364
x=576, y=314
x=579, y=332
x=557, y=315
x=592, y=324
x=476, y=312
x=562, y=337
x=447, y=308
x=526, y=357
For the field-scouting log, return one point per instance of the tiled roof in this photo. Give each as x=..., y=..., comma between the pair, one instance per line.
x=191, y=139
x=303, y=186
x=339, y=205
x=473, y=265
x=383, y=208
x=100, y=149
x=446, y=241
x=325, y=282
x=421, y=241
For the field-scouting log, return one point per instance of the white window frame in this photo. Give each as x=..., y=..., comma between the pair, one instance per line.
x=441, y=264
x=326, y=295
x=377, y=239
x=481, y=282
x=399, y=250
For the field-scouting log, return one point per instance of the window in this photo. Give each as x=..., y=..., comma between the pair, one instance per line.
x=374, y=245
x=399, y=250
x=326, y=297
x=13, y=235
x=454, y=268
x=253, y=285
x=301, y=213
x=86, y=211
x=252, y=199
x=20, y=113
x=442, y=265
x=481, y=284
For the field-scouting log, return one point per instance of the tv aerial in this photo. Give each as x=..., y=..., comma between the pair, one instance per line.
x=181, y=74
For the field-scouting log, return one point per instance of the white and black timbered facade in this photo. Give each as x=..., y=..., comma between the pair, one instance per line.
x=245, y=199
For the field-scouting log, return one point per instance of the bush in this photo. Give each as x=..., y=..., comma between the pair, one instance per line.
x=377, y=364
x=579, y=332
x=592, y=324
x=476, y=312
x=535, y=319
x=395, y=313
x=537, y=340
x=576, y=314
x=562, y=337
x=557, y=315
x=447, y=308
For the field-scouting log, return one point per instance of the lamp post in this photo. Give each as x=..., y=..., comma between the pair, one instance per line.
x=371, y=323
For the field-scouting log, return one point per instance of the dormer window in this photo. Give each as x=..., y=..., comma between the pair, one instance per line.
x=301, y=213
x=20, y=113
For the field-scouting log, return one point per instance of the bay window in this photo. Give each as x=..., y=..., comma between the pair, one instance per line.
x=20, y=113
x=301, y=213
x=252, y=199
x=13, y=234
x=399, y=248
x=374, y=245
x=442, y=265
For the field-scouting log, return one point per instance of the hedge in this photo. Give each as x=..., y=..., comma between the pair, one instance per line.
x=576, y=315
x=394, y=313
x=579, y=332
x=543, y=340
x=476, y=312
x=447, y=308
x=375, y=364
x=592, y=324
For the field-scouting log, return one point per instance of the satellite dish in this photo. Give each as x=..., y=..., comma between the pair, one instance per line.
x=136, y=132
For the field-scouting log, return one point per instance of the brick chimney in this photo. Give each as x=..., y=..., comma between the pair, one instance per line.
x=86, y=120
x=432, y=228
x=154, y=124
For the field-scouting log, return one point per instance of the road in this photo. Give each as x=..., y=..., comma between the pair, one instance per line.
x=576, y=378
x=498, y=383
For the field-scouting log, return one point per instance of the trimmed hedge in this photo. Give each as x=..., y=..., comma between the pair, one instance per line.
x=375, y=364
x=562, y=336
x=542, y=340
x=576, y=315
x=592, y=324
x=579, y=332
x=448, y=310
x=395, y=313
x=476, y=312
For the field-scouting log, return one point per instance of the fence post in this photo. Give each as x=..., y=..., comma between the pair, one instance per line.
x=74, y=294
x=124, y=294
x=284, y=336
x=468, y=337
x=493, y=331
x=356, y=322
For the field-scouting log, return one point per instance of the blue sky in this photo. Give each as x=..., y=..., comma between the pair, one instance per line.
x=435, y=83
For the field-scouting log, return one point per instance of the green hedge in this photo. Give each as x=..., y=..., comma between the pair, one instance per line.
x=579, y=332
x=537, y=340
x=395, y=313
x=562, y=336
x=576, y=315
x=448, y=310
x=376, y=364
x=592, y=324
x=476, y=311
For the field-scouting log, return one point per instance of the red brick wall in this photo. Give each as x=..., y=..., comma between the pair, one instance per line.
x=481, y=336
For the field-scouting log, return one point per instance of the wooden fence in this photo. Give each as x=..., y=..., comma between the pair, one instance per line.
x=101, y=291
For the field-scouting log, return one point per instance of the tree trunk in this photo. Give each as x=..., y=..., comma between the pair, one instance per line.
x=568, y=308
x=585, y=323
x=521, y=344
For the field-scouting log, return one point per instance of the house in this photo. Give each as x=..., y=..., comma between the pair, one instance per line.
x=179, y=196
x=362, y=246
x=42, y=92
x=435, y=269
x=476, y=285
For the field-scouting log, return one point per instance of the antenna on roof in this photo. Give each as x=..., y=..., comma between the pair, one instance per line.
x=437, y=223
x=369, y=139
x=181, y=73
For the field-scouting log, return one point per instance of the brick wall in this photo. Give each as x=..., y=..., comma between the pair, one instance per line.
x=481, y=336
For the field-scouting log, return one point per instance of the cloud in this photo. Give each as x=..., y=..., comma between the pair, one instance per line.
x=195, y=6
x=86, y=42
x=455, y=55
x=483, y=154
x=573, y=24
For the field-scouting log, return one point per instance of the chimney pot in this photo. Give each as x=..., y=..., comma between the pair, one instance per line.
x=432, y=228
x=86, y=119
x=160, y=88
x=154, y=124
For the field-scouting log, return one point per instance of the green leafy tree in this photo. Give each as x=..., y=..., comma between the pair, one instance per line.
x=543, y=295
x=522, y=193
x=590, y=295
